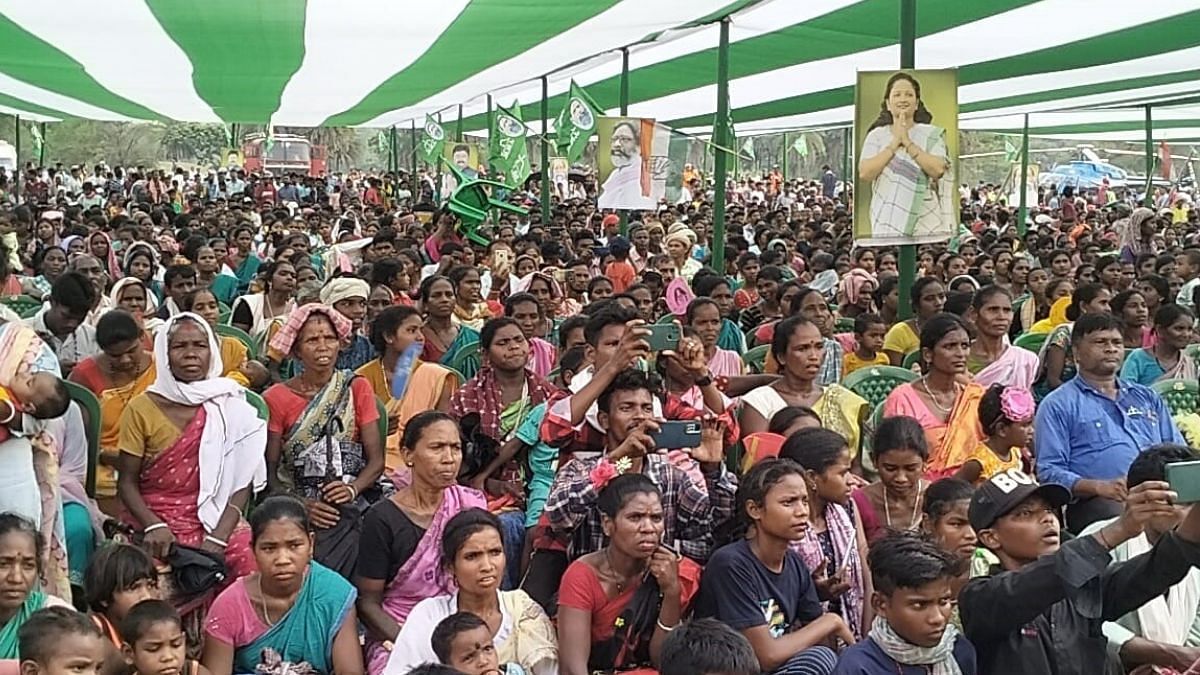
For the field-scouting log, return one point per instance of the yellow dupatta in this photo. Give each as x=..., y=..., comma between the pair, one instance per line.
x=112, y=403
x=960, y=439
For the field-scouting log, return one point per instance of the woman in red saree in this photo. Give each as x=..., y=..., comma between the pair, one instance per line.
x=192, y=448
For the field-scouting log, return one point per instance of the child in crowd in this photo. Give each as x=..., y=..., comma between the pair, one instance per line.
x=59, y=640
x=252, y=375
x=155, y=643
x=1041, y=610
x=911, y=633
x=707, y=647
x=118, y=577
x=463, y=641
x=571, y=362
x=869, y=330
x=42, y=396
x=1006, y=415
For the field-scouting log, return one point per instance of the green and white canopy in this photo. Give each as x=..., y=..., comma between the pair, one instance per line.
x=389, y=62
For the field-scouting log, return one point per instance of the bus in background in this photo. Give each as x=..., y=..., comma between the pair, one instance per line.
x=288, y=154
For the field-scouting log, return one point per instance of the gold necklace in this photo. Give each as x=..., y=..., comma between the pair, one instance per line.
x=887, y=511
x=262, y=598
x=934, y=399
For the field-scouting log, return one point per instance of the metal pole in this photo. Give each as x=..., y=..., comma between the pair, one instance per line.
x=785, y=157
x=720, y=156
x=847, y=179
x=413, y=162
x=545, y=152
x=437, y=163
x=18, y=170
x=624, y=102
x=42, y=150
x=1023, y=209
x=490, y=113
x=1149, y=200
x=908, y=252
x=458, y=130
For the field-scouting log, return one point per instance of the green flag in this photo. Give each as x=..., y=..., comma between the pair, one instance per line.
x=576, y=123
x=37, y=137
x=507, y=148
x=748, y=149
x=1011, y=152
x=801, y=146
x=432, y=141
x=270, y=142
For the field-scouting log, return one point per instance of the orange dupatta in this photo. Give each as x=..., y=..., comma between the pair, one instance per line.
x=960, y=439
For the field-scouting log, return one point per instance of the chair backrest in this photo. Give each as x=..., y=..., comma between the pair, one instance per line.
x=264, y=413
x=241, y=336
x=1181, y=396
x=868, y=435
x=90, y=406
x=844, y=325
x=23, y=305
x=911, y=359
x=383, y=420
x=874, y=383
x=225, y=312
x=1031, y=341
x=468, y=361
x=756, y=358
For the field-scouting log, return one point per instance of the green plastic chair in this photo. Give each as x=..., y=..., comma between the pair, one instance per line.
x=23, y=305
x=911, y=359
x=90, y=406
x=1181, y=396
x=844, y=325
x=226, y=312
x=874, y=383
x=241, y=336
x=1031, y=341
x=1192, y=351
x=383, y=421
x=867, y=433
x=469, y=361
x=756, y=358
x=264, y=413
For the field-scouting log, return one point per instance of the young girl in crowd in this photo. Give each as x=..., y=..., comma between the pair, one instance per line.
x=155, y=643
x=1006, y=415
x=119, y=577
x=898, y=453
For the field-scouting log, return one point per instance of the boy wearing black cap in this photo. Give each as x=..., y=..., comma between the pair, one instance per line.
x=1042, y=609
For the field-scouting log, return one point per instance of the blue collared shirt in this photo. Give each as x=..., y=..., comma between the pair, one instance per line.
x=1081, y=433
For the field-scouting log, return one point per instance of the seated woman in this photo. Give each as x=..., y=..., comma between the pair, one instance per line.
x=730, y=336
x=1130, y=307
x=947, y=409
x=616, y=605
x=799, y=348
x=992, y=359
x=117, y=578
x=834, y=546
x=470, y=309
x=401, y=535
x=406, y=384
x=122, y=370
x=256, y=313
x=1167, y=359
x=49, y=263
x=1057, y=360
x=527, y=312
x=291, y=616
x=22, y=547
x=898, y=453
x=242, y=260
x=209, y=275
x=445, y=339
x=704, y=316
x=133, y=296
x=203, y=303
x=928, y=297
x=191, y=451
x=473, y=555
x=323, y=441
x=760, y=587
x=141, y=262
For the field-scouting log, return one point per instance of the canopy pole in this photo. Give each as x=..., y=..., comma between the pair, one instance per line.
x=908, y=252
x=413, y=185
x=437, y=163
x=490, y=114
x=458, y=130
x=720, y=155
x=1023, y=209
x=847, y=139
x=1149, y=200
x=18, y=171
x=785, y=157
x=42, y=149
x=545, y=152
x=624, y=103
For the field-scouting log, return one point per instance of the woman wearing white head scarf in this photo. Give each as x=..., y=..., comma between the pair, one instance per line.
x=192, y=448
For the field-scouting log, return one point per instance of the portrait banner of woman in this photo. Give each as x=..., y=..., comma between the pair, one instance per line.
x=906, y=131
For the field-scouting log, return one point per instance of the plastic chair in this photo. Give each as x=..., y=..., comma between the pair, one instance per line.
x=1181, y=396
x=911, y=359
x=383, y=420
x=241, y=336
x=844, y=325
x=23, y=305
x=867, y=433
x=756, y=358
x=226, y=312
x=264, y=413
x=1031, y=341
x=468, y=362
x=90, y=406
x=874, y=383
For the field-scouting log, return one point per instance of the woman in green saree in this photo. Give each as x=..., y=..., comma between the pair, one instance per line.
x=242, y=259
x=21, y=551
x=293, y=615
x=447, y=342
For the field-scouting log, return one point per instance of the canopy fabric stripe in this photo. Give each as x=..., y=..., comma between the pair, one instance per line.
x=379, y=63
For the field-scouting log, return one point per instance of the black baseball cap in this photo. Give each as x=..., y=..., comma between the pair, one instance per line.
x=1004, y=491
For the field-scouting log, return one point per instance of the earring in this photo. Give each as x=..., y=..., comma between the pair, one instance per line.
x=408, y=463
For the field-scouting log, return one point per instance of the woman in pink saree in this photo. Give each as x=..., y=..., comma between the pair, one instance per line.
x=992, y=359
x=399, y=562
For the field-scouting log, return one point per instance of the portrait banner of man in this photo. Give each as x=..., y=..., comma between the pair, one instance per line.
x=906, y=132
x=638, y=170
x=465, y=157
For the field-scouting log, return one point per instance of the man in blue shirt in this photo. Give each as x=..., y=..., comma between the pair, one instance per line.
x=1090, y=429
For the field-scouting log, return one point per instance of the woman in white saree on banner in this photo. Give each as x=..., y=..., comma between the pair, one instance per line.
x=906, y=158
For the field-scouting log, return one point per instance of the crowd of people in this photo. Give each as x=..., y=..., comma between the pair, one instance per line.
x=257, y=424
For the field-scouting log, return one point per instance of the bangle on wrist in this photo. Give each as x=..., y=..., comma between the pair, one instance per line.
x=1103, y=539
x=665, y=628
x=219, y=542
x=353, y=491
x=153, y=526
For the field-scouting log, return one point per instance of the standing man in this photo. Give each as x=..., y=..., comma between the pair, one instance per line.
x=1091, y=428
x=828, y=182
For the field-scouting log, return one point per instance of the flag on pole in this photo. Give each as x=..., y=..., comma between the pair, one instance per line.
x=576, y=123
x=507, y=148
x=432, y=141
x=801, y=146
x=1011, y=152
x=37, y=137
x=270, y=142
x=1164, y=159
x=228, y=135
x=748, y=149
